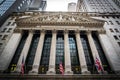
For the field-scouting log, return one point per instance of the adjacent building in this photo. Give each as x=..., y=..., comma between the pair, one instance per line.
x=37, y=5
x=7, y=7
x=117, y=2
x=72, y=7
x=100, y=6
x=111, y=17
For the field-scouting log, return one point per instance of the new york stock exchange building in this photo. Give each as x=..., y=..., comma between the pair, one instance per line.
x=58, y=45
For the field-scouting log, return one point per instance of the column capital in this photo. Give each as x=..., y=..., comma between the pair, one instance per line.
x=17, y=30
x=43, y=31
x=101, y=31
x=31, y=31
x=66, y=31
x=54, y=31
x=77, y=31
x=88, y=32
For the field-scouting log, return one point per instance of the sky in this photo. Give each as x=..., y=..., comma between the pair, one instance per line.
x=58, y=5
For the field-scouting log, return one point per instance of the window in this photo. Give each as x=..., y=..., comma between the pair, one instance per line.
x=4, y=37
x=59, y=52
x=32, y=51
x=88, y=54
x=113, y=17
x=0, y=36
x=111, y=22
x=116, y=38
x=13, y=23
x=75, y=64
x=111, y=30
x=8, y=23
x=11, y=18
x=0, y=45
x=44, y=63
x=118, y=22
x=116, y=30
x=4, y=30
x=9, y=30
x=119, y=43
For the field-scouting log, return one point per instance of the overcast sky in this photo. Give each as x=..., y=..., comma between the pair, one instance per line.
x=58, y=5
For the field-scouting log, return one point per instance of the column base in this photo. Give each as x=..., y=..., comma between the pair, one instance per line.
x=51, y=72
x=68, y=72
x=104, y=72
x=86, y=72
x=117, y=72
x=33, y=71
x=16, y=72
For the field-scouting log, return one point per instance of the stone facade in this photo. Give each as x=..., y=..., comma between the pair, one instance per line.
x=58, y=21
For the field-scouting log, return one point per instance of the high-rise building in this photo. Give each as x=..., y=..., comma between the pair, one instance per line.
x=72, y=7
x=7, y=7
x=100, y=6
x=117, y=2
x=61, y=45
x=37, y=5
x=111, y=17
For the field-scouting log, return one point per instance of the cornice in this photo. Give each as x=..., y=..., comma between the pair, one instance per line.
x=58, y=18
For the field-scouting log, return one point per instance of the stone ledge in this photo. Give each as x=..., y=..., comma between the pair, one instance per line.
x=59, y=77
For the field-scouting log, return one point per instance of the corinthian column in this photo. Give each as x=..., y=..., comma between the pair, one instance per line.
x=24, y=51
x=51, y=69
x=82, y=60
x=93, y=49
x=38, y=54
x=67, y=54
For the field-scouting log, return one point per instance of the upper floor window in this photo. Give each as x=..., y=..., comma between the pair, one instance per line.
x=13, y=23
x=4, y=30
x=116, y=30
x=8, y=23
x=4, y=37
x=0, y=45
x=118, y=22
x=11, y=18
x=111, y=30
x=0, y=36
x=113, y=17
x=9, y=30
x=116, y=38
x=119, y=43
x=111, y=22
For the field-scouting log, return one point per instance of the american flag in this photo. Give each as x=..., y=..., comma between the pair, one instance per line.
x=61, y=68
x=98, y=65
x=22, y=66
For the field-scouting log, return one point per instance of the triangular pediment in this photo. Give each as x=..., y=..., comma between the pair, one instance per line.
x=58, y=18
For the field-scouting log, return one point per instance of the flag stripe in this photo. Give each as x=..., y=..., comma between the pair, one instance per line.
x=61, y=68
x=98, y=65
x=22, y=66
